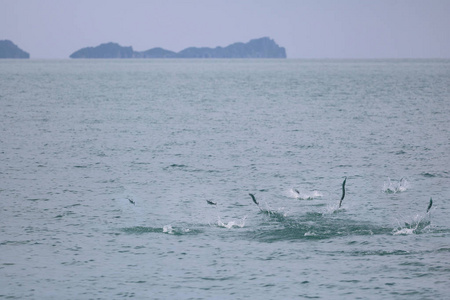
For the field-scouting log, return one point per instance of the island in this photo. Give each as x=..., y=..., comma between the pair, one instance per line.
x=10, y=50
x=256, y=48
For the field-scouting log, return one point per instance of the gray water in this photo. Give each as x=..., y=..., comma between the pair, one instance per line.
x=80, y=140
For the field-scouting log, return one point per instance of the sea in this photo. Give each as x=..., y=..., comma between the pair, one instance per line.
x=132, y=179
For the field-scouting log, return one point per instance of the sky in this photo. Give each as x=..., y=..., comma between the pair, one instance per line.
x=54, y=29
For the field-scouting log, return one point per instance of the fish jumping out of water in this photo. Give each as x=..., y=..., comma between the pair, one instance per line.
x=131, y=201
x=343, y=191
x=430, y=205
x=254, y=199
x=211, y=202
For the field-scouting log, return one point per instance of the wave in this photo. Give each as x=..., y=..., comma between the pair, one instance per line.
x=318, y=228
x=333, y=222
x=311, y=226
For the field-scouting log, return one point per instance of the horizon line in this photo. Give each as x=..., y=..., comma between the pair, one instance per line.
x=195, y=59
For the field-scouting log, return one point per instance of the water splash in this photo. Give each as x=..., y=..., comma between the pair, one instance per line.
x=413, y=225
x=168, y=229
x=393, y=186
x=332, y=208
x=311, y=195
x=232, y=223
x=278, y=213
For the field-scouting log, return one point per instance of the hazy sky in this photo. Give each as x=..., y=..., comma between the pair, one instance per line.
x=306, y=28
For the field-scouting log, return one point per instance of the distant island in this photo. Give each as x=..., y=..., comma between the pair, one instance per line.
x=257, y=48
x=9, y=50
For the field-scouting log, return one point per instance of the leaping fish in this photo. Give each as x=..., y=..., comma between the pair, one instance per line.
x=254, y=199
x=131, y=201
x=211, y=202
x=343, y=191
x=430, y=205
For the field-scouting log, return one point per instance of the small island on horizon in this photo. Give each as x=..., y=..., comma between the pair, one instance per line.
x=256, y=48
x=10, y=50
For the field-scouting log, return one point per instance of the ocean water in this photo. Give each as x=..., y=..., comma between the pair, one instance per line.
x=106, y=167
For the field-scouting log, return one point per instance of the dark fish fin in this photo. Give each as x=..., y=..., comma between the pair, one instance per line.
x=211, y=202
x=254, y=199
x=343, y=191
x=430, y=205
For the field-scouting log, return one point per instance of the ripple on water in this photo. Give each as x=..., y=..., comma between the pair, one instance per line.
x=166, y=229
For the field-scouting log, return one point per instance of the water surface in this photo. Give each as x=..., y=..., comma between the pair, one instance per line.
x=80, y=139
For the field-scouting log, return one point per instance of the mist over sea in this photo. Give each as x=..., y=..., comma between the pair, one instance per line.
x=106, y=167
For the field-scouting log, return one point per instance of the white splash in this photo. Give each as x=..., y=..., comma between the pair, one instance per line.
x=168, y=229
x=413, y=225
x=404, y=231
x=232, y=223
x=310, y=195
x=393, y=186
x=309, y=234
